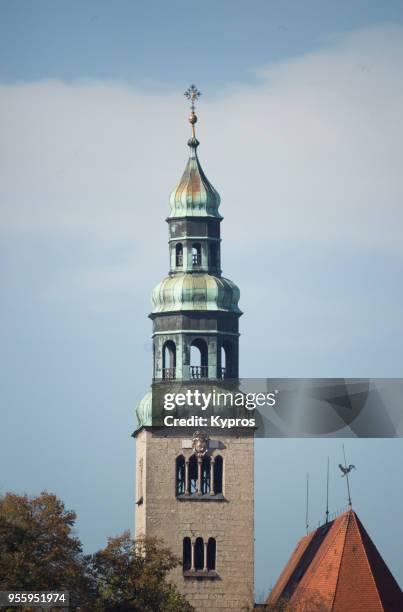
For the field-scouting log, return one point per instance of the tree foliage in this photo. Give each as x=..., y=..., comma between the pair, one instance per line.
x=39, y=552
x=131, y=575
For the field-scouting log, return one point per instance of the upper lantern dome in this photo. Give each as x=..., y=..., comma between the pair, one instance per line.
x=195, y=292
x=194, y=195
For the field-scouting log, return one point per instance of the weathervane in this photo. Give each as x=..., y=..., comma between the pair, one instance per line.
x=192, y=94
x=346, y=469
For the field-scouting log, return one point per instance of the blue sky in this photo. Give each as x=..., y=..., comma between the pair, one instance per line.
x=301, y=130
x=154, y=43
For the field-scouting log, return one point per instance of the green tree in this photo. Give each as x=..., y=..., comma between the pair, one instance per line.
x=132, y=575
x=38, y=550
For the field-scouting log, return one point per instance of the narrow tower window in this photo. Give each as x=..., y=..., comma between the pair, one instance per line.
x=179, y=255
x=223, y=363
x=226, y=360
x=205, y=475
x=196, y=254
x=140, y=482
x=218, y=475
x=180, y=475
x=211, y=554
x=187, y=554
x=199, y=359
x=193, y=474
x=199, y=554
x=169, y=360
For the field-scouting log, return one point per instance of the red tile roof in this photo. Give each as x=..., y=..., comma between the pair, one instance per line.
x=338, y=568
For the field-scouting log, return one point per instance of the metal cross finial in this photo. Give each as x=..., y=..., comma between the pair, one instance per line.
x=192, y=94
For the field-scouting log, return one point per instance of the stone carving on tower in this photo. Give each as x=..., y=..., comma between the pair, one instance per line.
x=195, y=491
x=200, y=443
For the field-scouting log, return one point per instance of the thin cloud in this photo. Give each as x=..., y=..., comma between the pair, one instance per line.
x=311, y=153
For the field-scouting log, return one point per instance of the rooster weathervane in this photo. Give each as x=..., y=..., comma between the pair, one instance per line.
x=346, y=469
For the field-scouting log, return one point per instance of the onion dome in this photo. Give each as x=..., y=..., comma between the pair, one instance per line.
x=195, y=292
x=144, y=410
x=194, y=195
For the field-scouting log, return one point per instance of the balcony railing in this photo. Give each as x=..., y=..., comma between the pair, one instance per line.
x=169, y=373
x=198, y=371
x=179, y=260
x=196, y=259
x=195, y=372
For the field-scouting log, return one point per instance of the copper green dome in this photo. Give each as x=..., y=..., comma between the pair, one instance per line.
x=194, y=195
x=144, y=410
x=195, y=292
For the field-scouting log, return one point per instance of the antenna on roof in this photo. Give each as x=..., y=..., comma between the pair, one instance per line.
x=327, y=492
x=345, y=472
x=307, y=505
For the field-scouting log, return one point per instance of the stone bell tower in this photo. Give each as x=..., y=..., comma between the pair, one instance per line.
x=195, y=490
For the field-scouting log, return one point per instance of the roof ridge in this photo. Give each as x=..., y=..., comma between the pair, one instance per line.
x=367, y=560
x=341, y=560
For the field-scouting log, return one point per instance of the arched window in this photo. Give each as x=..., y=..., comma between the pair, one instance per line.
x=187, y=554
x=180, y=475
x=196, y=254
x=199, y=359
x=218, y=475
x=211, y=554
x=214, y=255
x=193, y=474
x=179, y=255
x=226, y=360
x=140, y=482
x=169, y=360
x=199, y=554
x=205, y=475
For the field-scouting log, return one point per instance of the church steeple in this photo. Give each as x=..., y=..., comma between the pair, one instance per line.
x=195, y=319
x=195, y=309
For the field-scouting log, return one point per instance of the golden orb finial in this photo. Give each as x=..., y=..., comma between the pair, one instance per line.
x=192, y=94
